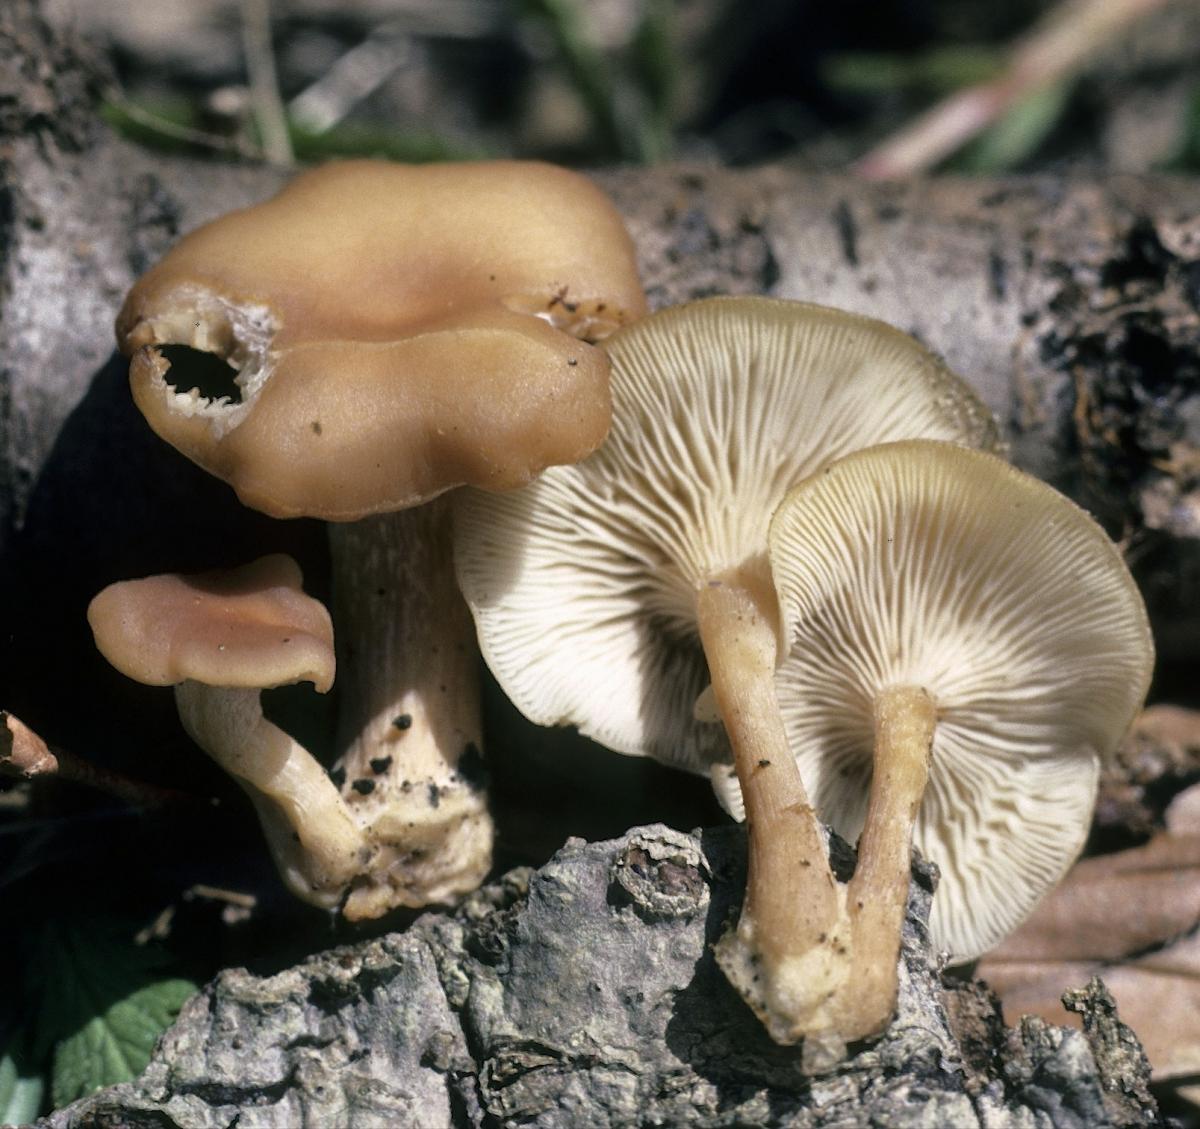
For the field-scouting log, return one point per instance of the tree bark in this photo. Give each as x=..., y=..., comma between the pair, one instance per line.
x=586, y=994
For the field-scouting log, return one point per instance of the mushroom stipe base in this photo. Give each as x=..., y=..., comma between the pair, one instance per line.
x=816, y=959
x=407, y=650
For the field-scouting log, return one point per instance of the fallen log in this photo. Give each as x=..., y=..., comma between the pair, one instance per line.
x=1072, y=305
x=586, y=994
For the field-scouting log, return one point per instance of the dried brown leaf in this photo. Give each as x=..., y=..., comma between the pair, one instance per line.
x=1133, y=918
x=1160, y=756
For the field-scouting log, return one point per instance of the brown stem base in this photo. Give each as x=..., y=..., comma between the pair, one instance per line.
x=783, y=955
x=816, y=961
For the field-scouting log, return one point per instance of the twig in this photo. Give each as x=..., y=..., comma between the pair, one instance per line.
x=176, y=132
x=264, y=82
x=26, y=756
x=1058, y=47
x=387, y=48
x=22, y=752
x=352, y=77
x=158, y=930
x=218, y=894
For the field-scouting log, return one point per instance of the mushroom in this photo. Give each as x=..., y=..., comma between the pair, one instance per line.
x=610, y=593
x=591, y=588
x=963, y=648
x=396, y=331
x=220, y=638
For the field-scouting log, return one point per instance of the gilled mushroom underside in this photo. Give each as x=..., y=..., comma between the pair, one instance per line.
x=584, y=585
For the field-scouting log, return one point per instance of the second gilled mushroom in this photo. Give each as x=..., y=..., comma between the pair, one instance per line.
x=604, y=591
x=396, y=332
x=963, y=647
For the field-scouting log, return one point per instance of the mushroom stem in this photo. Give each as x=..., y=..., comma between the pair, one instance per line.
x=311, y=833
x=782, y=956
x=409, y=727
x=815, y=961
x=905, y=718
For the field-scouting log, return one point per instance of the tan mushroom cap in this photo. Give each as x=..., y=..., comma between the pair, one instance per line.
x=928, y=565
x=584, y=584
x=398, y=330
x=252, y=627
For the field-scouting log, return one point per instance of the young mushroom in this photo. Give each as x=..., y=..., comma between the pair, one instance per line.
x=610, y=594
x=220, y=638
x=396, y=331
x=964, y=647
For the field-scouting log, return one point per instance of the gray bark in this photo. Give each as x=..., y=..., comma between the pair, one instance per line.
x=586, y=994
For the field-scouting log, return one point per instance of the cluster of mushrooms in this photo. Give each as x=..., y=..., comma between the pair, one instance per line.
x=760, y=540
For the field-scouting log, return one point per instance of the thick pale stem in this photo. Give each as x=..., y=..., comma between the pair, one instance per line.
x=409, y=715
x=783, y=955
x=315, y=842
x=905, y=717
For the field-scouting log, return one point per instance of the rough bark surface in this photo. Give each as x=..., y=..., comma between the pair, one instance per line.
x=586, y=994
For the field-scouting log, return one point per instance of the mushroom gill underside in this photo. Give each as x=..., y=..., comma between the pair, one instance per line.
x=962, y=648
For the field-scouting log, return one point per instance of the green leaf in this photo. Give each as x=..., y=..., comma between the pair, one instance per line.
x=655, y=68
x=935, y=72
x=161, y=123
x=20, y=1091
x=351, y=139
x=1017, y=135
x=588, y=71
x=115, y=1046
x=1186, y=157
x=105, y=1001
x=172, y=125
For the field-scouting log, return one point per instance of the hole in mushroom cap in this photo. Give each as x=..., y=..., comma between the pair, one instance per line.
x=202, y=355
x=209, y=375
